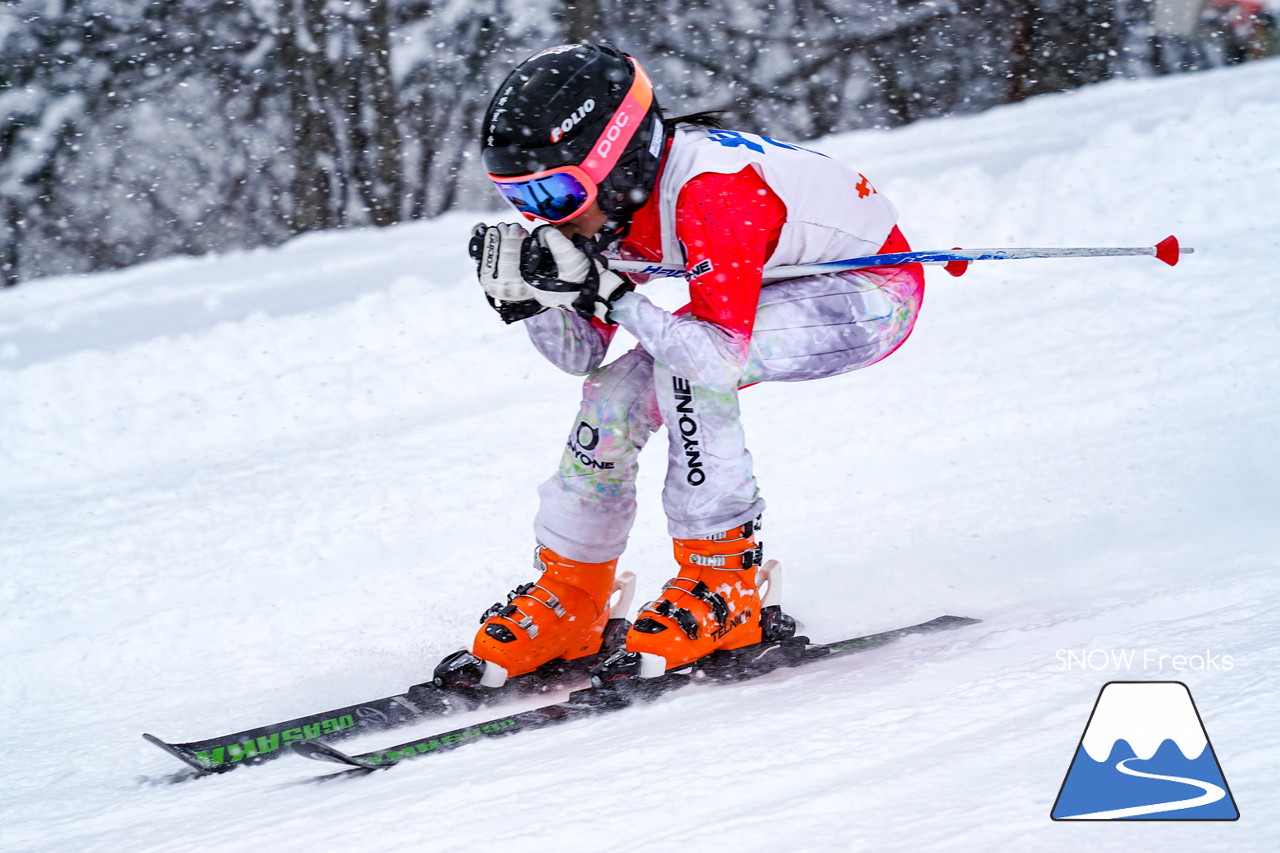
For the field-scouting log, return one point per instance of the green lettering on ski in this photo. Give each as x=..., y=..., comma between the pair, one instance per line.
x=272, y=742
x=211, y=758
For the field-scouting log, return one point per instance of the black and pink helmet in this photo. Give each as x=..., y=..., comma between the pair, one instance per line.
x=571, y=125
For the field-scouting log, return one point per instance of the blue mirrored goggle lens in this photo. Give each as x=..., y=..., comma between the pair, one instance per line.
x=554, y=197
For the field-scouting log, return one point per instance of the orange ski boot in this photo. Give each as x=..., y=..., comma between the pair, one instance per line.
x=563, y=615
x=715, y=603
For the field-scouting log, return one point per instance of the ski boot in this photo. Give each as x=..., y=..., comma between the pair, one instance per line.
x=571, y=612
x=722, y=599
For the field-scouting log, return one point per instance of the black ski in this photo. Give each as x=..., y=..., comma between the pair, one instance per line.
x=737, y=665
x=421, y=701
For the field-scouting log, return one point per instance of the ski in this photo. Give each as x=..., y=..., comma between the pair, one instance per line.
x=731, y=666
x=420, y=702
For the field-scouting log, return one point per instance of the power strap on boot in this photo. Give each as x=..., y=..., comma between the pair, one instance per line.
x=744, y=531
x=714, y=552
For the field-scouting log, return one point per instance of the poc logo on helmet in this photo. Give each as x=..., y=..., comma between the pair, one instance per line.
x=612, y=134
x=571, y=122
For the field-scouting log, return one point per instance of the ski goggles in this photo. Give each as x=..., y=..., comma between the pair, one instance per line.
x=557, y=195
x=553, y=195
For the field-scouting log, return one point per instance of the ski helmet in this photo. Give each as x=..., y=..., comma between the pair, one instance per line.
x=574, y=124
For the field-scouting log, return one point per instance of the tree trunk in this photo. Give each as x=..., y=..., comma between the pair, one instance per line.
x=302, y=42
x=13, y=234
x=383, y=185
x=1022, y=24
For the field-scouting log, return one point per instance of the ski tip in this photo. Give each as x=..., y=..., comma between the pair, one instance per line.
x=956, y=268
x=177, y=753
x=1168, y=250
x=318, y=751
x=323, y=752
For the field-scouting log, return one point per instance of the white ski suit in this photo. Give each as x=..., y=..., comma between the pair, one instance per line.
x=689, y=367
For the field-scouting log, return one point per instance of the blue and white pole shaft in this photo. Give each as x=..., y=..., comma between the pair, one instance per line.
x=955, y=261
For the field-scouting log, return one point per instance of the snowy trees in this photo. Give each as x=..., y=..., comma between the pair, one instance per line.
x=138, y=130
x=807, y=67
x=334, y=67
x=129, y=132
x=1061, y=44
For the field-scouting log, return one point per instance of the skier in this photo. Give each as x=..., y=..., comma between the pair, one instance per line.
x=575, y=141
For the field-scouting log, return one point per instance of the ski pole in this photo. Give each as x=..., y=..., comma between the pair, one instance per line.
x=955, y=261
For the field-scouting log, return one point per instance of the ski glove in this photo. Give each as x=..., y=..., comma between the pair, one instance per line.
x=567, y=274
x=497, y=251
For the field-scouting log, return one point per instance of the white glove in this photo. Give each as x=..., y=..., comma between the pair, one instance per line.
x=497, y=251
x=563, y=275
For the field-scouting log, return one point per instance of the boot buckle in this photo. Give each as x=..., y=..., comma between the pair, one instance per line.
x=715, y=601
x=525, y=621
x=509, y=612
x=683, y=618
x=551, y=603
x=749, y=558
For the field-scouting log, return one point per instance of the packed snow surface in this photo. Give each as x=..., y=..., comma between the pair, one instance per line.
x=235, y=490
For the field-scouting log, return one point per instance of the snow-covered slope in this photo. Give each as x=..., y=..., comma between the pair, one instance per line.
x=239, y=489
